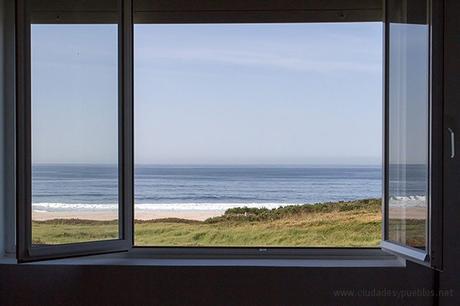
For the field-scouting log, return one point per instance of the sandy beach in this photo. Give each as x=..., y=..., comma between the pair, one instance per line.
x=417, y=213
x=198, y=215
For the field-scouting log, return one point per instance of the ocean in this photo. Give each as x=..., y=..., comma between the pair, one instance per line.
x=95, y=187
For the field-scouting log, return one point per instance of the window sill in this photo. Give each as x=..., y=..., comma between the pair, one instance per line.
x=311, y=258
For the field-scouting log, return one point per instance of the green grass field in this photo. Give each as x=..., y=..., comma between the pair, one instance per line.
x=340, y=224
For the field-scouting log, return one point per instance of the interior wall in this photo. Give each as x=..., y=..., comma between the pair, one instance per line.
x=9, y=144
x=35, y=284
x=450, y=277
x=2, y=135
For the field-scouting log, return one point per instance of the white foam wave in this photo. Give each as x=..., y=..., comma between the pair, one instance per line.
x=47, y=207
x=208, y=206
x=50, y=207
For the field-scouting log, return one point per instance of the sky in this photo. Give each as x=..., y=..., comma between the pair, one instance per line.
x=212, y=94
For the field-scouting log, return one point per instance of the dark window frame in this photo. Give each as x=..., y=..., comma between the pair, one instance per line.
x=25, y=251
x=437, y=146
x=172, y=12
x=177, y=11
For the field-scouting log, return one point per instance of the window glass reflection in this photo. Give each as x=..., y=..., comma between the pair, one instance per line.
x=408, y=122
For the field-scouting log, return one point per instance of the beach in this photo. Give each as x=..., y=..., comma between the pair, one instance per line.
x=105, y=215
x=353, y=223
x=403, y=212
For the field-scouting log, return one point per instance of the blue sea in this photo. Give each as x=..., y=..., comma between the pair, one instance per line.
x=95, y=187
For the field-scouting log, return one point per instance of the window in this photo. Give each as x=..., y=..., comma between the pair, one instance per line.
x=408, y=127
x=413, y=142
x=73, y=130
x=234, y=103
x=74, y=102
x=240, y=128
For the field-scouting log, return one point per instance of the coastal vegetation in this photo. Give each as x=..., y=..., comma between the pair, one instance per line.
x=337, y=224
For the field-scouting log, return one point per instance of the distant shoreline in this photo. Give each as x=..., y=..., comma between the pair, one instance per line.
x=347, y=224
x=197, y=215
x=414, y=212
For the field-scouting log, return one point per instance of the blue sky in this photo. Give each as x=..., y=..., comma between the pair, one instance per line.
x=212, y=94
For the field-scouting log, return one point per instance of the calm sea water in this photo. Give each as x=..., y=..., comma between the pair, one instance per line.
x=61, y=187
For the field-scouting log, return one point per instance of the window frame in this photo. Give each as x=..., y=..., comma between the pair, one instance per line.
x=25, y=251
x=172, y=12
x=437, y=146
x=169, y=13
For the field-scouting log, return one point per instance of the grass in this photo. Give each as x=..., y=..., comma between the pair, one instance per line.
x=338, y=224
x=60, y=231
x=414, y=231
x=356, y=223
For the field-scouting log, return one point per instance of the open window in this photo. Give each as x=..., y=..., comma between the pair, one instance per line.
x=74, y=107
x=413, y=131
x=80, y=54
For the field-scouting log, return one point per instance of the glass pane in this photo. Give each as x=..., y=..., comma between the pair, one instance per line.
x=408, y=122
x=240, y=129
x=74, y=132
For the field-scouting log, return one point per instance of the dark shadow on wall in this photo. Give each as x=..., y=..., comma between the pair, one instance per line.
x=135, y=285
x=450, y=277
